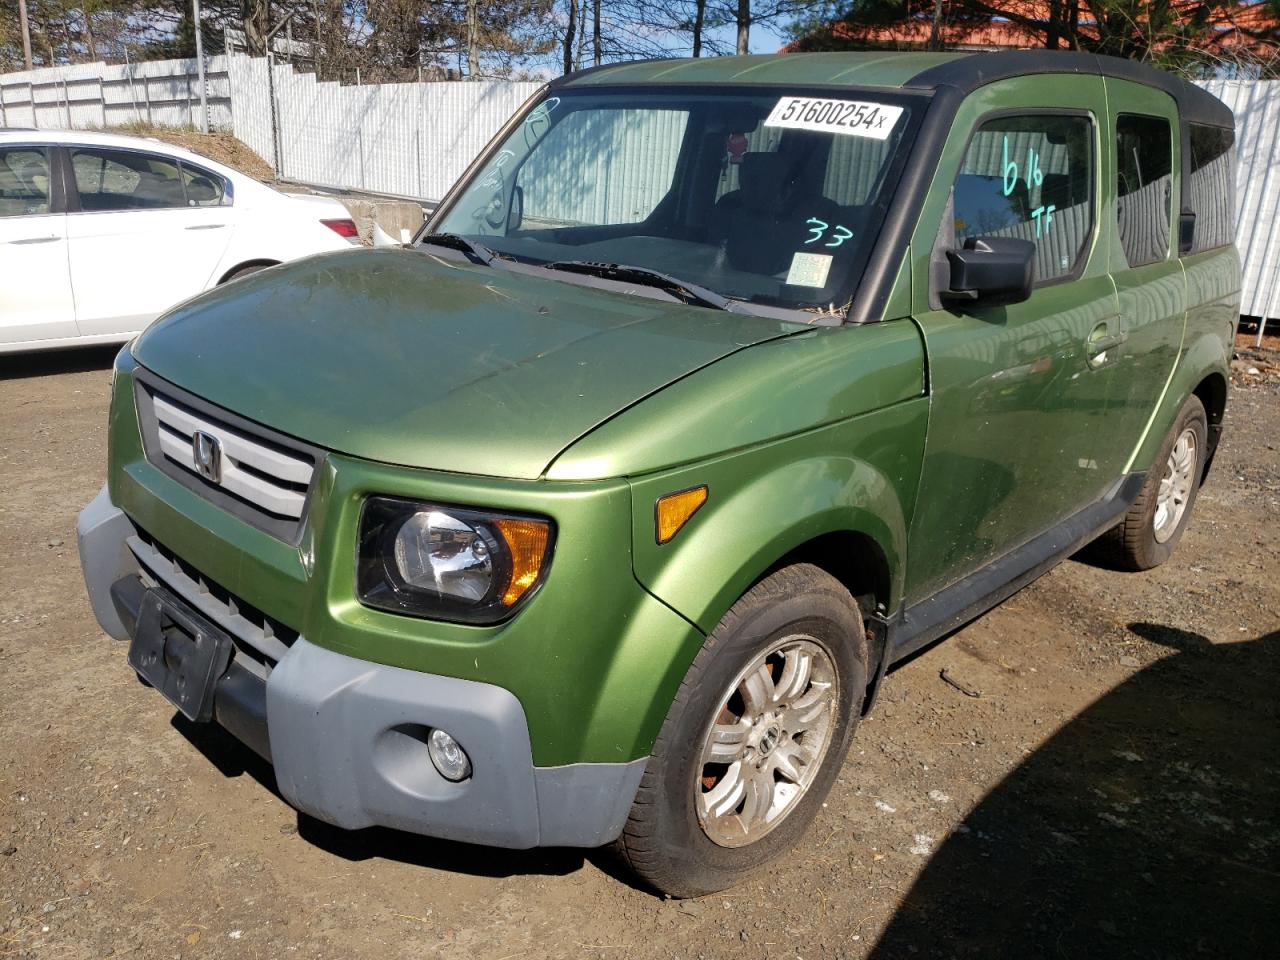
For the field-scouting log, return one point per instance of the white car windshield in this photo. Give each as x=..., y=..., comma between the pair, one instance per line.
x=761, y=196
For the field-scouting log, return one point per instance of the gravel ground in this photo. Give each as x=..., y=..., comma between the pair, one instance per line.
x=1113, y=791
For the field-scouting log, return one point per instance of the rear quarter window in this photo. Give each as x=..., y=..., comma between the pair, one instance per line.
x=203, y=188
x=1211, y=186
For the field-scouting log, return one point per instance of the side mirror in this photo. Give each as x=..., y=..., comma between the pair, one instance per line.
x=991, y=272
x=1186, y=231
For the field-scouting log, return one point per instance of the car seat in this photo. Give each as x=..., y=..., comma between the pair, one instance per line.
x=764, y=222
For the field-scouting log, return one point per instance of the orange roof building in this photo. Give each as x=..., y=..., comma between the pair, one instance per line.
x=1243, y=27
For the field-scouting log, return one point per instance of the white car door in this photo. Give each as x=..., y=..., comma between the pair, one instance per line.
x=137, y=244
x=35, y=286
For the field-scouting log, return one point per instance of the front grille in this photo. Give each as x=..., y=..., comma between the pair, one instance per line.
x=261, y=641
x=272, y=481
x=261, y=476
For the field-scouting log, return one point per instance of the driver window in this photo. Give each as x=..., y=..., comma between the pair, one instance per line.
x=631, y=156
x=1030, y=177
x=24, y=182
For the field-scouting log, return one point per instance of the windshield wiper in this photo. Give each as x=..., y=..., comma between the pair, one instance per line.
x=478, y=252
x=682, y=290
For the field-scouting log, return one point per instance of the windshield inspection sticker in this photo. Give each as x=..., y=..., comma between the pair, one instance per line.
x=849, y=117
x=809, y=270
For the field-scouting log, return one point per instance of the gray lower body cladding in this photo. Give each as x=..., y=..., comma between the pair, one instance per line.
x=348, y=738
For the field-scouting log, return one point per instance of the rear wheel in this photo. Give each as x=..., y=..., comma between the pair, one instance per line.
x=246, y=271
x=754, y=738
x=1156, y=521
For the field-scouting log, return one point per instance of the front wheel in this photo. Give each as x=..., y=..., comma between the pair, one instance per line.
x=754, y=738
x=1158, y=517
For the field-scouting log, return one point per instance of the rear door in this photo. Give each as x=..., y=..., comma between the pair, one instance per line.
x=35, y=285
x=1144, y=171
x=1015, y=402
x=138, y=245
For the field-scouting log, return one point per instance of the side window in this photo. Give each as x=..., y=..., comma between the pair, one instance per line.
x=1030, y=177
x=124, y=180
x=24, y=182
x=1144, y=187
x=1211, y=186
x=632, y=154
x=203, y=189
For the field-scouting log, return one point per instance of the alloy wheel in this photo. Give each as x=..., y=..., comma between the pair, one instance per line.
x=767, y=742
x=1175, y=487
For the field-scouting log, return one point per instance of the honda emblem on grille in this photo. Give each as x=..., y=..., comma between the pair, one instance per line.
x=206, y=451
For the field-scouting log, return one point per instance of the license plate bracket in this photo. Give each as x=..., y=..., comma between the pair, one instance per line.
x=179, y=652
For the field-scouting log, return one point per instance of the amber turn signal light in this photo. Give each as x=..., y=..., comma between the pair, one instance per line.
x=674, y=510
x=527, y=541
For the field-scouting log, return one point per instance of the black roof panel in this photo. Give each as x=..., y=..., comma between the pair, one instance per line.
x=974, y=71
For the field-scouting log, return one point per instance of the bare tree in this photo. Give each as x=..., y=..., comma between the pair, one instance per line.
x=473, y=39
x=595, y=31
x=569, y=35
x=935, y=30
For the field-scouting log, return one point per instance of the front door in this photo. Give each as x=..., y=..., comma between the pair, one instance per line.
x=137, y=246
x=35, y=287
x=1015, y=400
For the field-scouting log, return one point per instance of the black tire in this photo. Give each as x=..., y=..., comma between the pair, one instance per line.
x=247, y=271
x=663, y=841
x=1136, y=537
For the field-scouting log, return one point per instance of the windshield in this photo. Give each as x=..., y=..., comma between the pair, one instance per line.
x=768, y=197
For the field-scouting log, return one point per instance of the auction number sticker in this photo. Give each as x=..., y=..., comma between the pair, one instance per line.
x=849, y=117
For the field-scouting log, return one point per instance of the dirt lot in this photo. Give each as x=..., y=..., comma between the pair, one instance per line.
x=1114, y=791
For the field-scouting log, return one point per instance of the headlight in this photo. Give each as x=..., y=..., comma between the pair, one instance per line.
x=448, y=563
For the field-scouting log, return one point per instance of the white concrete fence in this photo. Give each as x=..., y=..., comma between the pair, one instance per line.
x=415, y=139
x=408, y=139
x=88, y=95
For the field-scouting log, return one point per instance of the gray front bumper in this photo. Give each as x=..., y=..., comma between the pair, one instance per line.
x=348, y=738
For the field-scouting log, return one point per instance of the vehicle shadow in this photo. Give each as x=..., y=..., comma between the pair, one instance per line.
x=48, y=363
x=1149, y=826
x=234, y=759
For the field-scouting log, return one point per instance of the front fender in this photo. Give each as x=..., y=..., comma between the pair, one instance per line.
x=857, y=476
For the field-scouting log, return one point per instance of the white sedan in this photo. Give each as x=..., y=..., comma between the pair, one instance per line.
x=100, y=234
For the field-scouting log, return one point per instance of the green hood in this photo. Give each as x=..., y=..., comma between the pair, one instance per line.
x=403, y=357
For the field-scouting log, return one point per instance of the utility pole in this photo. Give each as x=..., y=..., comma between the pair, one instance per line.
x=204, y=96
x=26, y=33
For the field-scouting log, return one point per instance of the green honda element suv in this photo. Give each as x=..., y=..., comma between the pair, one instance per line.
x=714, y=388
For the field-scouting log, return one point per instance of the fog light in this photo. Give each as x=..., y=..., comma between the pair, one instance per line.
x=448, y=756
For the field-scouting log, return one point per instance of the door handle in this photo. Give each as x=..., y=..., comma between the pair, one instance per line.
x=26, y=241
x=207, y=226
x=1100, y=341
